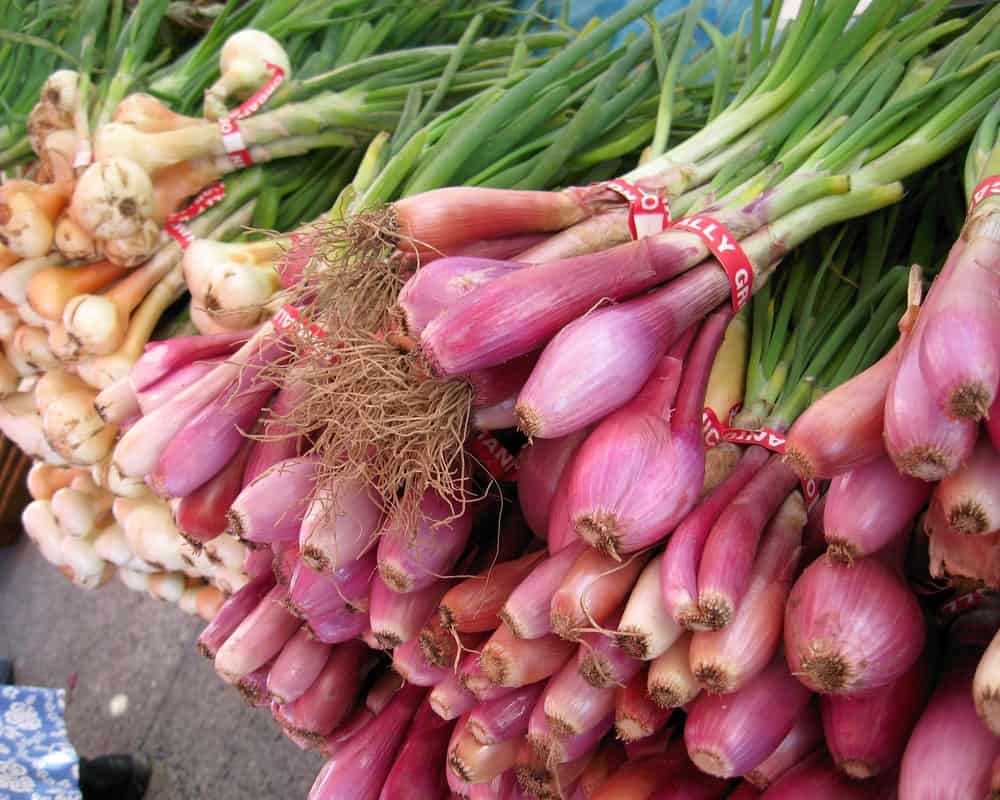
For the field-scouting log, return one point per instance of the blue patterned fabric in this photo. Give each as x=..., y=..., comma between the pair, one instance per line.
x=37, y=762
x=724, y=14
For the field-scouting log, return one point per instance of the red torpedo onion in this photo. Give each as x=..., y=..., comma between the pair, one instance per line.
x=418, y=770
x=848, y=629
x=259, y=562
x=601, y=662
x=724, y=661
x=441, y=646
x=162, y=357
x=540, y=777
x=920, y=438
x=473, y=606
x=408, y=660
x=259, y=637
x=397, y=618
x=804, y=737
x=636, y=715
x=298, y=664
x=593, y=588
x=960, y=344
x=866, y=733
x=228, y=618
x=437, y=285
x=557, y=746
x=526, y=611
x=329, y=699
x=995, y=779
x=727, y=561
x=278, y=440
x=474, y=678
x=411, y=560
x=284, y=560
x=560, y=533
x=608, y=758
x=572, y=705
x=359, y=768
x=868, y=507
x=339, y=524
x=843, y=428
x=157, y=394
x=536, y=303
x=253, y=687
x=540, y=467
x=450, y=699
x=474, y=762
x=505, y=717
x=679, y=568
x=599, y=362
x=956, y=555
x=693, y=785
x=509, y=661
x=271, y=508
x=139, y=450
x=744, y=791
x=208, y=442
x=646, y=629
x=970, y=498
x=444, y=220
x=632, y=479
x=986, y=685
x=729, y=735
x=816, y=778
x=670, y=682
x=201, y=515
x=312, y=593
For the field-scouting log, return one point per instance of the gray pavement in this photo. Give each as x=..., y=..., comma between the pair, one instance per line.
x=140, y=684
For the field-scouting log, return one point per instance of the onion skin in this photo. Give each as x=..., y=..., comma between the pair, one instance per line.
x=339, y=524
x=513, y=662
x=724, y=661
x=557, y=745
x=450, y=699
x=868, y=507
x=636, y=715
x=357, y=771
x=729, y=735
x=397, y=618
x=161, y=358
x=572, y=705
x=542, y=465
x=646, y=628
x=816, y=777
x=602, y=662
x=259, y=637
x=232, y=613
x=473, y=606
x=409, y=662
x=296, y=667
x=505, y=717
x=993, y=424
x=986, y=686
x=272, y=507
x=526, y=611
x=843, y=429
x=201, y=515
x=849, y=629
x=921, y=440
x=955, y=555
x=804, y=737
x=728, y=557
x=682, y=557
x=671, y=683
x=418, y=770
x=593, y=588
x=970, y=498
x=608, y=758
x=960, y=344
x=951, y=752
x=866, y=733
x=412, y=560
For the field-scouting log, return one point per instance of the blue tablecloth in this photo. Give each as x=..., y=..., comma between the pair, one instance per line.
x=37, y=762
x=724, y=14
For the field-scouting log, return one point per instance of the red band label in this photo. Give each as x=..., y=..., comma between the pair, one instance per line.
x=960, y=605
x=727, y=249
x=496, y=459
x=289, y=318
x=715, y=432
x=988, y=187
x=229, y=127
x=648, y=212
x=203, y=201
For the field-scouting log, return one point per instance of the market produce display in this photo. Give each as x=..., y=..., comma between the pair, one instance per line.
x=531, y=409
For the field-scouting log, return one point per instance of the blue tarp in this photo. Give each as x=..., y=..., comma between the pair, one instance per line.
x=724, y=14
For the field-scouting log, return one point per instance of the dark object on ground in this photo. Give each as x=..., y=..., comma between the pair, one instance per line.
x=122, y=776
